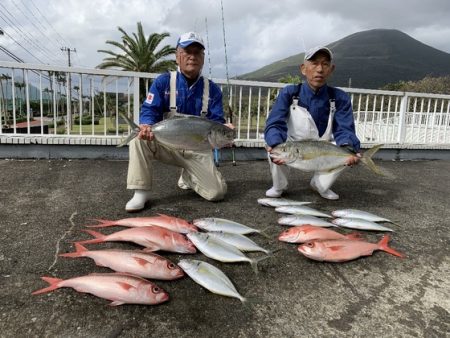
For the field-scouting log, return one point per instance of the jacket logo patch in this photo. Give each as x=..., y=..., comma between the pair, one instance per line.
x=149, y=98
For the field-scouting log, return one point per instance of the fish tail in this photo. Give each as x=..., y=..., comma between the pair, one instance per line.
x=103, y=223
x=254, y=262
x=134, y=127
x=53, y=285
x=383, y=245
x=78, y=253
x=98, y=237
x=367, y=159
x=264, y=232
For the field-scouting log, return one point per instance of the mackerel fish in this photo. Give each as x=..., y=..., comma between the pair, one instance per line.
x=210, y=277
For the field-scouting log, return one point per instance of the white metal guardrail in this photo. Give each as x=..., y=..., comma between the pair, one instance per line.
x=60, y=105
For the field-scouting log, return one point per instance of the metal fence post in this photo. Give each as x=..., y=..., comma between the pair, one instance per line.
x=136, y=100
x=402, y=119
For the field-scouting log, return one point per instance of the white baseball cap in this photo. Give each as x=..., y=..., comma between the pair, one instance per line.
x=313, y=51
x=189, y=38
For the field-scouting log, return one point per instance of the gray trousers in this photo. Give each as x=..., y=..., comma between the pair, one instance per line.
x=198, y=169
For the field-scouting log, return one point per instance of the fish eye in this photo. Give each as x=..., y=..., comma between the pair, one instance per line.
x=310, y=244
x=156, y=289
x=171, y=266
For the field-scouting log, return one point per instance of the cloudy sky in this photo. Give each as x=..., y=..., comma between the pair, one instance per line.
x=257, y=32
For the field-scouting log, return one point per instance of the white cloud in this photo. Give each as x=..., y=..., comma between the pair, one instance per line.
x=257, y=32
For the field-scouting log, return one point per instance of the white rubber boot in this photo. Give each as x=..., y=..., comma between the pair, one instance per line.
x=274, y=193
x=138, y=201
x=327, y=194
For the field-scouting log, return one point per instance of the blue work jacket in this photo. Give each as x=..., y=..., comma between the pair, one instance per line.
x=317, y=103
x=188, y=99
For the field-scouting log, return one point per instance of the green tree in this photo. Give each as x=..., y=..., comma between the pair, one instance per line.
x=434, y=85
x=140, y=54
x=294, y=79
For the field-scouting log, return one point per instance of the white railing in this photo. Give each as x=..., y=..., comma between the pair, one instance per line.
x=61, y=105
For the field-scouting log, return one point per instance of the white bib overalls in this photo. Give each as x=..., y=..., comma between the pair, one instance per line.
x=301, y=126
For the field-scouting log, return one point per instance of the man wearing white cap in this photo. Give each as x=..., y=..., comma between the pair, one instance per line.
x=184, y=91
x=312, y=110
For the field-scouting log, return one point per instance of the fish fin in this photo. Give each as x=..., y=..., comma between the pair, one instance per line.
x=141, y=261
x=125, y=286
x=124, y=142
x=53, y=285
x=98, y=237
x=131, y=123
x=335, y=247
x=150, y=248
x=78, y=253
x=367, y=159
x=383, y=245
x=116, y=303
x=103, y=223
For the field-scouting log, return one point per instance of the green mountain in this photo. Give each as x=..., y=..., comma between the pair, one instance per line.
x=369, y=59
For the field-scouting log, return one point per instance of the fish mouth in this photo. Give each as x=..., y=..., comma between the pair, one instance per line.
x=164, y=297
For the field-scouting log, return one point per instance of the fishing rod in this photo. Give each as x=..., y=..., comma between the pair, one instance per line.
x=230, y=111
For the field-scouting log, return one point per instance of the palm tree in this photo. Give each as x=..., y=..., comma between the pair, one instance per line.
x=139, y=54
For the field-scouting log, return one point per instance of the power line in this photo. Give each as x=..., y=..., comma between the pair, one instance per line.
x=27, y=37
x=25, y=49
x=64, y=42
x=32, y=22
x=14, y=23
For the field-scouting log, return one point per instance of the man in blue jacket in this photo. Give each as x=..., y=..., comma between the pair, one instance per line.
x=311, y=110
x=184, y=91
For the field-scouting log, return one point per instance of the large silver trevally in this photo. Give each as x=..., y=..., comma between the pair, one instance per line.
x=210, y=277
x=188, y=132
x=313, y=155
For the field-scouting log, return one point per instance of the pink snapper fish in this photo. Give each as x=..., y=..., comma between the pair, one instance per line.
x=118, y=287
x=136, y=262
x=344, y=250
x=152, y=237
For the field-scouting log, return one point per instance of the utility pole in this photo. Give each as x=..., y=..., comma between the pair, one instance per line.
x=68, y=50
x=69, y=89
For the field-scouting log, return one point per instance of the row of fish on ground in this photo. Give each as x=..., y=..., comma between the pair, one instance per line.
x=224, y=241
x=308, y=227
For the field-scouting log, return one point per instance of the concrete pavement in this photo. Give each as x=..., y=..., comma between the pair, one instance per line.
x=45, y=203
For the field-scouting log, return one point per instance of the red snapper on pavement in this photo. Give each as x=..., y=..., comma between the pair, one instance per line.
x=119, y=287
x=307, y=232
x=169, y=222
x=136, y=262
x=344, y=250
x=152, y=237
